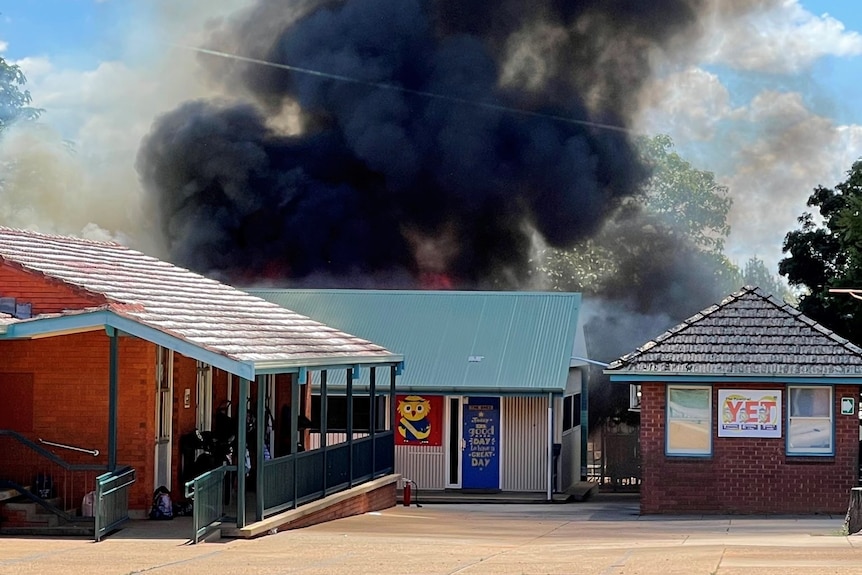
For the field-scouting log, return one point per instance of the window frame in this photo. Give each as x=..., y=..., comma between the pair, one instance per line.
x=571, y=411
x=809, y=451
x=710, y=422
x=336, y=413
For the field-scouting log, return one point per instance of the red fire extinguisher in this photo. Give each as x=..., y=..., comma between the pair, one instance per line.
x=407, y=493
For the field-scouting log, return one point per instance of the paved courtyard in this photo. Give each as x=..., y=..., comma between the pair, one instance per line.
x=603, y=537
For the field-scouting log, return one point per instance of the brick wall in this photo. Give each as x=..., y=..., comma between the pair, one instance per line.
x=382, y=498
x=70, y=398
x=45, y=294
x=745, y=475
x=184, y=418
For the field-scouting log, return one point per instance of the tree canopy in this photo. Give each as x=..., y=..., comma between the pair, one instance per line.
x=687, y=199
x=826, y=252
x=14, y=99
x=675, y=224
x=658, y=260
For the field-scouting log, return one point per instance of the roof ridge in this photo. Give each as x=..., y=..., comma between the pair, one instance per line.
x=790, y=314
x=66, y=238
x=810, y=322
x=680, y=327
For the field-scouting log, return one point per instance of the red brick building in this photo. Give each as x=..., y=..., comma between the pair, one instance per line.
x=110, y=357
x=746, y=407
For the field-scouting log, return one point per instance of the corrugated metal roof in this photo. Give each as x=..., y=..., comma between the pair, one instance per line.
x=176, y=301
x=748, y=333
x=519, y=342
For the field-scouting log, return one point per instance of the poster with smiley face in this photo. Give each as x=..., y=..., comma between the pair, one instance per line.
x=419, y=420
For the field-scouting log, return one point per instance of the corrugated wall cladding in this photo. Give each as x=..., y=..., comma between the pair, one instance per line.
x=525, y=444
x=424, y=465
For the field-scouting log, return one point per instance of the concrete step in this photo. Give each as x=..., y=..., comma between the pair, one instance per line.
x=23, y=512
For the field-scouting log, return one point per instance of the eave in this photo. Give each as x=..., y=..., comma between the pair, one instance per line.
x=86, y=321
x=667, y=377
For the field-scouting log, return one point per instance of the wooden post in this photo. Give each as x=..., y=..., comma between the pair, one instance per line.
x=853, y=519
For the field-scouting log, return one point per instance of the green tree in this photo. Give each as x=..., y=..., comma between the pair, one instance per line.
x=755, y=273
x=656, y=261
x=14, y=99
x=687, y=199
x=826, y=253
x=674, y=225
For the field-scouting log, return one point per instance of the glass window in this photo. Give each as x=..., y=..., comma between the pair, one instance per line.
x=336, y=413
x=689, y=420
x=634, y=397
x=576, y=410
x=571, y=411
x=809, y=427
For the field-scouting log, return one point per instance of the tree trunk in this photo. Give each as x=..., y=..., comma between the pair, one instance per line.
x=853, y=520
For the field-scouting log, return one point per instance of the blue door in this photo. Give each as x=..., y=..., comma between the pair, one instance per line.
x=481, y=434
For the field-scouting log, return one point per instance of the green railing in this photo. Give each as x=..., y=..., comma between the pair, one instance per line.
x=22, y=461
x=208, y=491
x=292, y=480
x=111, y=501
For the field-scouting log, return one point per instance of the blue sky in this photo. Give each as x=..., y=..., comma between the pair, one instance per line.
x=770, y=101
x=74, y=33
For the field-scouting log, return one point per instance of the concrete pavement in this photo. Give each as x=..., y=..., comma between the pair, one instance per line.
x=600, y=537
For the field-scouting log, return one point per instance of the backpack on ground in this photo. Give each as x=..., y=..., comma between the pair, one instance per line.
x=163, y=507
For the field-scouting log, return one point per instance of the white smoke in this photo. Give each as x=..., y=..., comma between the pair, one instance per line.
x=74, y=171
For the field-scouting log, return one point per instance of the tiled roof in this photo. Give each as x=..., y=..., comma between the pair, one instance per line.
x=749, y=333
x=178, y=302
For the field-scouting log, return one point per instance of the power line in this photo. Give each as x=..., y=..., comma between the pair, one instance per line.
x=392, y=87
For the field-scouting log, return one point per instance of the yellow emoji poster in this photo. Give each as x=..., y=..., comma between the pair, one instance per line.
x=419, y=420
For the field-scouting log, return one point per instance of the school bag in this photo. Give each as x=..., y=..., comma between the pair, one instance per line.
x=163, y=507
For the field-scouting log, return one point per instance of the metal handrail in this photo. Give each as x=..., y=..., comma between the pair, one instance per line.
x=93, y=452
x=208, y=507
x=51, y=456
x=110, y=512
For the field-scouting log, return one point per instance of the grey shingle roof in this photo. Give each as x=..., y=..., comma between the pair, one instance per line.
x=748, y=333
x=176, y=301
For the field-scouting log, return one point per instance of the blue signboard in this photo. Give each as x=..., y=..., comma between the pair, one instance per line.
x=481, y=461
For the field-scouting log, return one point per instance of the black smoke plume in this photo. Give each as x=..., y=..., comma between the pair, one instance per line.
x=428, y=140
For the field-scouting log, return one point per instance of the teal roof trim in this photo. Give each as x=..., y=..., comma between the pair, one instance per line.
x=75, y=322
x=98, y=319
x=453, y=341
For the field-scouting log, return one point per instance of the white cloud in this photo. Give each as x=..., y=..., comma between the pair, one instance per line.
x=771, y=153
x=783, y=153
x=771, y=150
x=3, y=46
x=778, y=36
x=690, y=103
